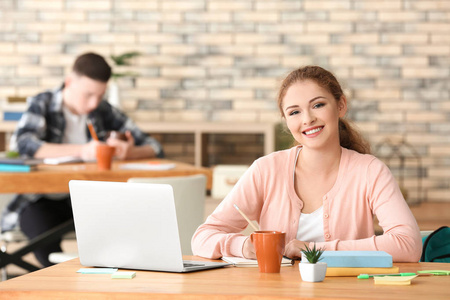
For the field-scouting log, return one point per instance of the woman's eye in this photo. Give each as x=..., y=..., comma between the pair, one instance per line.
x=294, y=112
x=318, y=105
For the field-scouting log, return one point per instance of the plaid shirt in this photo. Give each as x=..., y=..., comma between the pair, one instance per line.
x=44, y=122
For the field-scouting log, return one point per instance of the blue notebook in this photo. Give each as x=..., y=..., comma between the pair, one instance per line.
x=12, y=116
x=15, y=168
x=357, y=259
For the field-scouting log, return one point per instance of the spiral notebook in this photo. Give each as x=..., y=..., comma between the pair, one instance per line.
x=244, y=262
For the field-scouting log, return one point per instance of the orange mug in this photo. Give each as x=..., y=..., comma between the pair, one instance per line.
x=269, y=247
x=104, y=156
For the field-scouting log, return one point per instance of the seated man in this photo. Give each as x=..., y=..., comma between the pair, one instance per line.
x=55, y=124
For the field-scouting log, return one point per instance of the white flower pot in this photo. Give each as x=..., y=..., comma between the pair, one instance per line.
x=114, y=94
x=312, y=272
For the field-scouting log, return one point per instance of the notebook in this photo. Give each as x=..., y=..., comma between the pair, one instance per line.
x=245, y=262
x=130, y=226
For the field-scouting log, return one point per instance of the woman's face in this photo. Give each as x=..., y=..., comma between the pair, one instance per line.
x=312, y=114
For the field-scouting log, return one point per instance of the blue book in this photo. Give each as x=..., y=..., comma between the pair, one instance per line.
x=12, y=116
x=357, y=259
x=15, y=168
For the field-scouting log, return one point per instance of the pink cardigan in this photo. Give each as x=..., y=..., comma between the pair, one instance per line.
x=364, y=187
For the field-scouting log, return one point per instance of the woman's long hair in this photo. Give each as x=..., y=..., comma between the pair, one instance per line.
x=349, y=137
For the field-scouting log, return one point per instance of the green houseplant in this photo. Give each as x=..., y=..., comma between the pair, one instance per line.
x=123, y=60
x=119, y=60
x=310, y=268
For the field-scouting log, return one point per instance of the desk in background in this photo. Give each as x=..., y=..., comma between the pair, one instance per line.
x=62, y=281
x=55, y=179
x=200, y=130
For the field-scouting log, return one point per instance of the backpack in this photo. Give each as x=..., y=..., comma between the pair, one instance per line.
x=436, y=247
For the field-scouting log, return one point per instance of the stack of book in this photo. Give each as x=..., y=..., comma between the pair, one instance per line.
x=13, y=108
x=354, y=263
x=18, y=164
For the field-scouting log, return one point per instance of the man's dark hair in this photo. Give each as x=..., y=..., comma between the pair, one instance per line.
x=93, y=66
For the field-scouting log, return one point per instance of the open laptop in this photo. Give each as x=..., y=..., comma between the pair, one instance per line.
x=130, y=226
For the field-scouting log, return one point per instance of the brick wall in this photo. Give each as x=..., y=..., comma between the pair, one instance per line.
x=221, y=60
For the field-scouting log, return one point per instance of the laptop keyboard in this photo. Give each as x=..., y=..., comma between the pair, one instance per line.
x=187, y=265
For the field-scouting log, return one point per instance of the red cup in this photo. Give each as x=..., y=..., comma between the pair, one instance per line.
x=269, y=247
x=104, y=154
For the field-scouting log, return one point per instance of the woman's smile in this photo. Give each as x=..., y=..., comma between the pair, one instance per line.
x=313, y=132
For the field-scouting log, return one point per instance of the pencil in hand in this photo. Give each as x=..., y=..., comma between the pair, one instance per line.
x=92, y=130
x=245, y=217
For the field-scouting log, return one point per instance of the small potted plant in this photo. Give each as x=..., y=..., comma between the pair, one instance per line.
x=119, y=61
x=310, y=268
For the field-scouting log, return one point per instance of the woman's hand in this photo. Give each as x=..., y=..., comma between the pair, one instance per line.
x=248, y=250
x=293, y=249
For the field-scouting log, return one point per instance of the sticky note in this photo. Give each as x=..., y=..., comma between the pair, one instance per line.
x=123, y=275
x=394, y=280
x=97, y=270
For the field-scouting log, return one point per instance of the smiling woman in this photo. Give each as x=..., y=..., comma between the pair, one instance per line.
x=325, y=86
x=326, y=190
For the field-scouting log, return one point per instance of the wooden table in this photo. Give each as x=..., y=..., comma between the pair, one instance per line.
x=62, y=282
x=55, y=179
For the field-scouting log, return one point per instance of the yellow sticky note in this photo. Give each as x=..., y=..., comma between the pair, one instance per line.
x=123, y=275
x=394, y=280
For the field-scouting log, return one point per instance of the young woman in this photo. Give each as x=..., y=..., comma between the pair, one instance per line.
x=325, y=190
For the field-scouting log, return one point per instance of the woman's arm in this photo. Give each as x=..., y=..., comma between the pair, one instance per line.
x=220, y=234
x=401, y=237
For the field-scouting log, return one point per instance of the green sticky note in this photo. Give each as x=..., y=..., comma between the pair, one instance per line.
x=123, y=275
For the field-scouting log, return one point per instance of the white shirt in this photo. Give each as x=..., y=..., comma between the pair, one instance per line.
x=310, y=226
x=75, y=132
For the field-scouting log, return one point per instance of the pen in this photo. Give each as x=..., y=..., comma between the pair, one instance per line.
x=245, y=217
x=91, y=130
x=434, y=272
x=367, y=276
x=292, y=261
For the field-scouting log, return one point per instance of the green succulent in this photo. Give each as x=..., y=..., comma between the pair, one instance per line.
x=313, y=255
x=12, y=154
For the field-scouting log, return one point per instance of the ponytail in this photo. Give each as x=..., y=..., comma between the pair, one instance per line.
x=351, y=139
